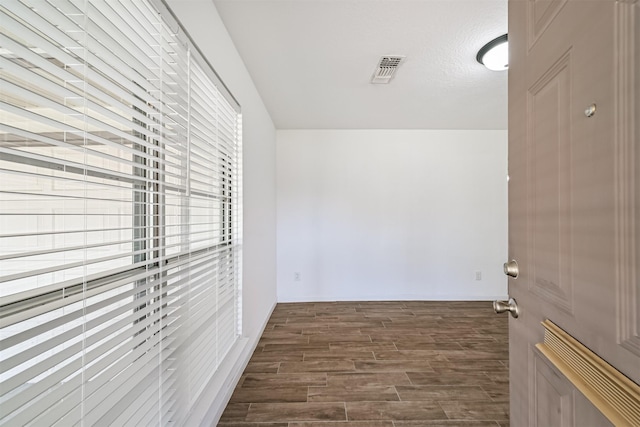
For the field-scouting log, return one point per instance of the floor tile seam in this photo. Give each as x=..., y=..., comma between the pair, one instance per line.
x=488, y=375
x=468, y=418
x=416, y=401
x=248, y=409
x=494, y=399
x=355, y=401
x=442, y=385
x=459, y=420
x=466, y=402
x=407, y=376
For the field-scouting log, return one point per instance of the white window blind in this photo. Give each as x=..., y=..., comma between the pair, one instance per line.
x=120, y=209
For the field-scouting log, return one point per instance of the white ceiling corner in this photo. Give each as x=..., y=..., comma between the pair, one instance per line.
x=312, y=61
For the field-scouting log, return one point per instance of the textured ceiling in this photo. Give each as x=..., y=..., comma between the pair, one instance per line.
x=312, y=61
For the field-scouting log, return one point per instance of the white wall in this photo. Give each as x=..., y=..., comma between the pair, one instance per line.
x=203, y=23
x=391, y=214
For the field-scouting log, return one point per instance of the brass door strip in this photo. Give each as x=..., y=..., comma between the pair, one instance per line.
x=615, y=395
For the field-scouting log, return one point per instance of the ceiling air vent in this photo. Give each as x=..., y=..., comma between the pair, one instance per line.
x=386, y=68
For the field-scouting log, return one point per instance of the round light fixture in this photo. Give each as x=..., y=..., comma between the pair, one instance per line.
x=495, y=54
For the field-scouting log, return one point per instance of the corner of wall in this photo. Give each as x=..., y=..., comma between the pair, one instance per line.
x=211, y=405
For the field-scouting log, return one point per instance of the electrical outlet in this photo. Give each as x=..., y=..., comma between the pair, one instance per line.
x=297, y=277
x=478, y=275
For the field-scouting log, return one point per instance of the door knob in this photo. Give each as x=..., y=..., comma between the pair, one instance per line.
x=511, y=306
x=511, y=268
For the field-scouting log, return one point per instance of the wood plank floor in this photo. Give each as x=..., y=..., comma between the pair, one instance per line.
x=376, y=364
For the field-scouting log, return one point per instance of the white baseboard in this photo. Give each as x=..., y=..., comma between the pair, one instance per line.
x=409, y=297
x=211, y=404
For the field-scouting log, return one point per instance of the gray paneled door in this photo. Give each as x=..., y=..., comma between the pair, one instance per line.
x=574, y=193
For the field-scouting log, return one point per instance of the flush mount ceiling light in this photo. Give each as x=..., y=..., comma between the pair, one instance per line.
x=495, y=54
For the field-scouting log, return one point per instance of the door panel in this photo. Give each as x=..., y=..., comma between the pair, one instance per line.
x=541, y=13
x=548, y=152
x=556, y=402
x=552, y=396
x=628, y=171
x=574, y=208
x=586, y=414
